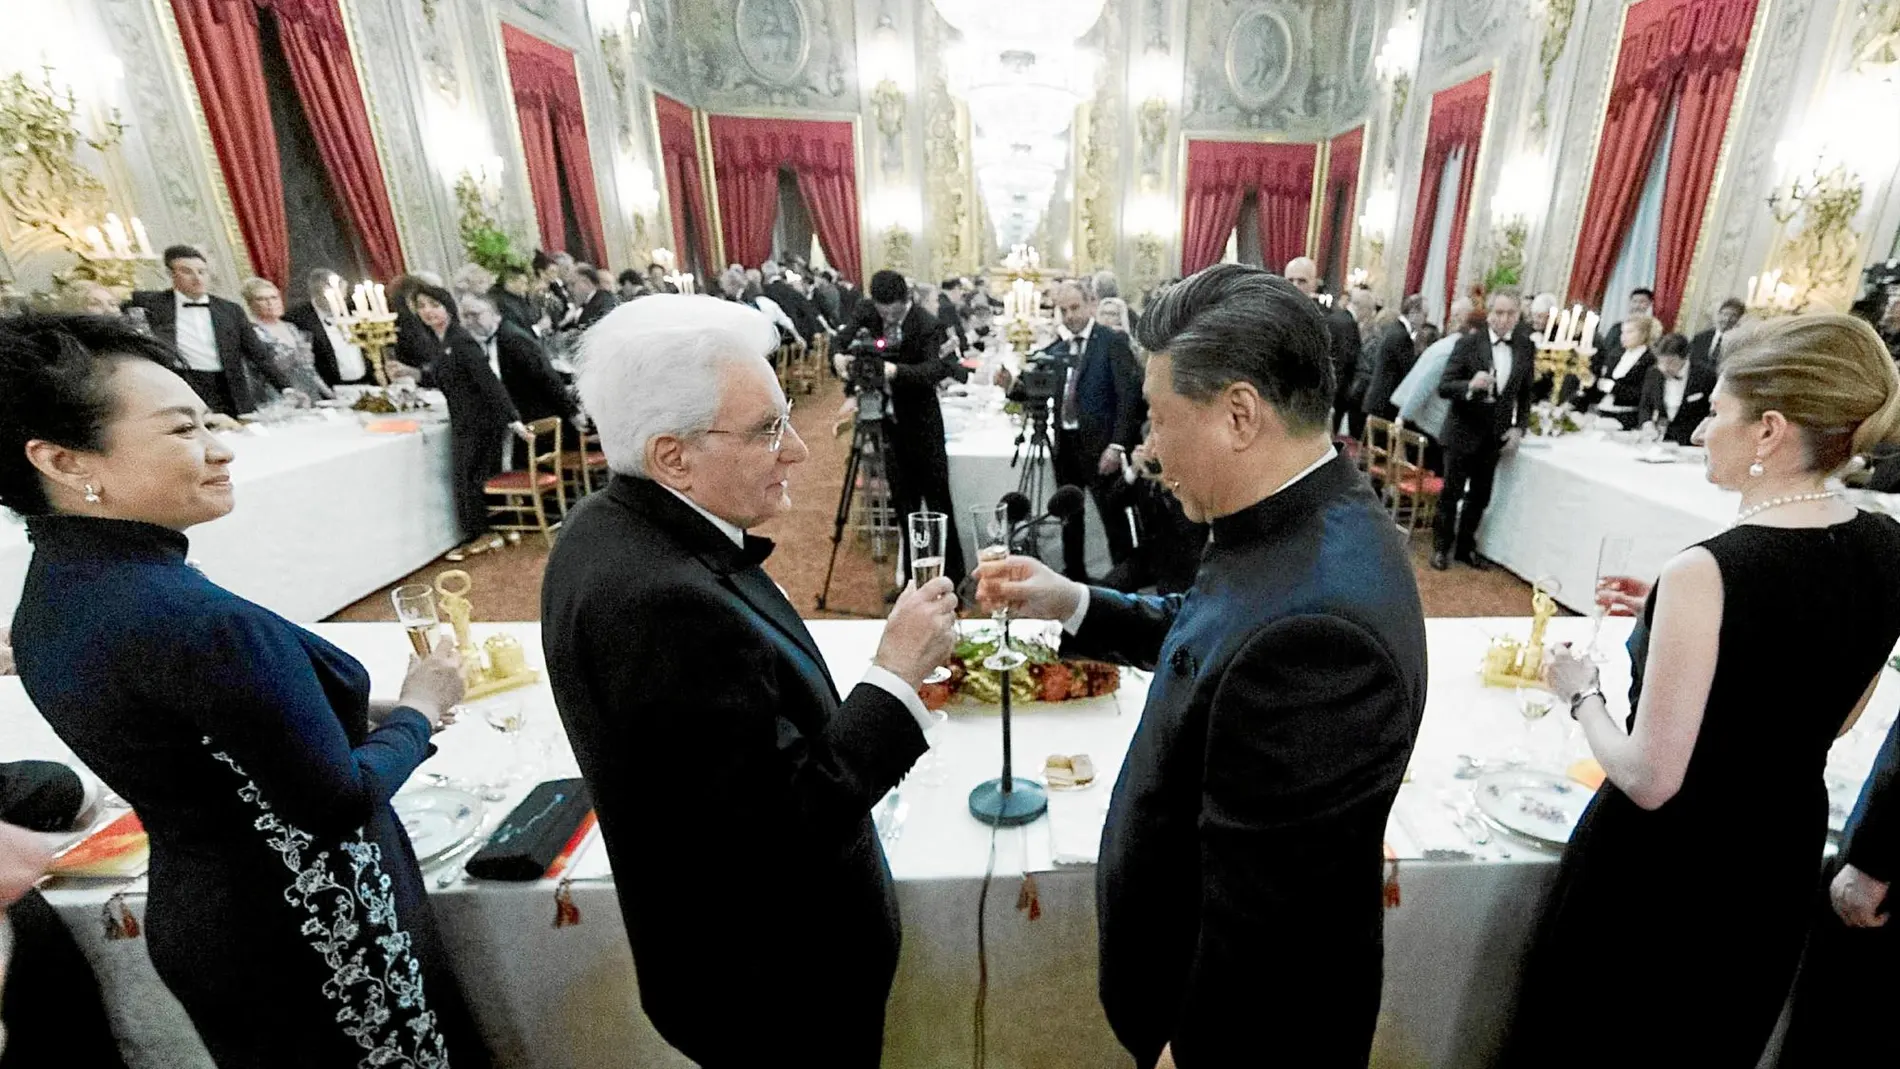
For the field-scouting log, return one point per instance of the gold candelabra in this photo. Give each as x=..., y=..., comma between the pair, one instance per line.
x=374, y=333
x=1558, y=359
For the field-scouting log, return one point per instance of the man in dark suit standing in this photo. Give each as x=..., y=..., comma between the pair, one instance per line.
x=1098, y=423
x=1395, y=355
x=920, y=468
x=1848, y=985
x=950, y=311
x=1238, y=894
x=1705, y=350
x=337, y=359
x=1342, y=329
x=221, y=354
x=1488, y=381
x=1675, y=392
x=704, y=716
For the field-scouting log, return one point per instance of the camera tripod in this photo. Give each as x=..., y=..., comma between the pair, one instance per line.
x=1038, y=462
x=869, y=459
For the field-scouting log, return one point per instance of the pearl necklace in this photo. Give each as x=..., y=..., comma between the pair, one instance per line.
x=1777, y=502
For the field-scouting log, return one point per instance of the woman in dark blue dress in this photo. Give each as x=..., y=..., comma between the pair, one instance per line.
x=1672, y=934
x=286, y=908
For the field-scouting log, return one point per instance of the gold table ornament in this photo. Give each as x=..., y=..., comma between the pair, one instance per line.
x=496, y=665
x=1511, y=663
x=375, y=334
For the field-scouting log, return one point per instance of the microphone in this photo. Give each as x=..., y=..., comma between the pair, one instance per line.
x=1065, y=504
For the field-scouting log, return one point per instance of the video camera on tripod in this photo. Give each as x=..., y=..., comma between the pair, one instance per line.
x=864, y=371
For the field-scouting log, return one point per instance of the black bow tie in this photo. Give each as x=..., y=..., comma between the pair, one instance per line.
x=197, y=304
x=756, y=551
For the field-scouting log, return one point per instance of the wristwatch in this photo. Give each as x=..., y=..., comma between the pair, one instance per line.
x=1595, y=689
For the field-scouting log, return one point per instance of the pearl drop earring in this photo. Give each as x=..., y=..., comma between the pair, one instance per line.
x=1756, y=469
x=92, y=494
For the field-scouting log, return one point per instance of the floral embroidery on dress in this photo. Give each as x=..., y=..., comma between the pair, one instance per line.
x=351, y=908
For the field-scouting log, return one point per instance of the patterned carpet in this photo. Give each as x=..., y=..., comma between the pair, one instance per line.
x=507, y=583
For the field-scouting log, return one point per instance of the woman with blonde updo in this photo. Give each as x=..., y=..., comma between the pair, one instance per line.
x=1679, y=911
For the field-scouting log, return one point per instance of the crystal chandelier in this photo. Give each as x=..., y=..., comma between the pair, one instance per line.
x=1019, y=72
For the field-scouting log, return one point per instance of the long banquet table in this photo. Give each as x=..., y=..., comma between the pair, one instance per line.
x=985, y=464
x=566, y=998
x=327, y=512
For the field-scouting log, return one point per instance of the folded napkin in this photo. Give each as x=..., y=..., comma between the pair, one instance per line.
x=535, y=833
x=1075, y=826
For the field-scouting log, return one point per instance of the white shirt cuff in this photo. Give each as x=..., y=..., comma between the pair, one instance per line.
x=886, y=680
x=1074, y=623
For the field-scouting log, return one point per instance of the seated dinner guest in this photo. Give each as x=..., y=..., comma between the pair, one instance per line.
x=338, y=359
x=682, y=673
x=591, y=295
x=1684, y=893
x=219, y=356
x=286, y=909
x=290, y=348
x=1620, y=372
x=1238, y=895
x=1675, y=392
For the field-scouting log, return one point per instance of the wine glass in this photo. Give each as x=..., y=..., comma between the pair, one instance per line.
x=1614, y=564
x=507, y=713
x=992, y=525
x=929, y=533
x=1533, y=704
x=415, y=611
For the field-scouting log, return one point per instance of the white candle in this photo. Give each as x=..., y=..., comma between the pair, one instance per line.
x=381, y=303
x=96, y=244
x=144, y=241
x=1587, y=342
x=115, y=234
x=359, y=302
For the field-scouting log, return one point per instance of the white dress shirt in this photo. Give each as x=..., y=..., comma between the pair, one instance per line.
x=882, y=678
x=1503, y=358
x=197, y=339
x=1074, y=621
x=350, y=365
x=494, y=365
x=1673, y=389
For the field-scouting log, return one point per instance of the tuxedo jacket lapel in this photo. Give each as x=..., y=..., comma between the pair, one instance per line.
x=751, y=583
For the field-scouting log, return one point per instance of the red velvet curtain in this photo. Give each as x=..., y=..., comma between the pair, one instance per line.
x=747, y=154
x=1710, y=37
x=1219, y=176
x=318, y=50
x=1342, y=188
x=1687, y=50
x=220, y=38
x=685, y=185
x=554, y=138
x=1285, y=185
x=1457, y=120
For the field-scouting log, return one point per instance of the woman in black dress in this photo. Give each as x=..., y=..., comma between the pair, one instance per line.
x=286, y=909
x=1680, y=907
x=480, y=415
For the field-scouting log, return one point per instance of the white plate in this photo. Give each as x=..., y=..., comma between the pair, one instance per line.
x=438, y=819
x=1541, y=806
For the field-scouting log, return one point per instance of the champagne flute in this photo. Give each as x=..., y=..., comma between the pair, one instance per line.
x=991, y=523
x=929, y=533
x=1614, y=564
x=1533, y=704
x=507, y=713
x=415, y=610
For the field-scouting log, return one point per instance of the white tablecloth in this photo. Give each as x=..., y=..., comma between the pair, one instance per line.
x=326, y=513
x=980, y=440
x=1556, y=499
x=566, y=998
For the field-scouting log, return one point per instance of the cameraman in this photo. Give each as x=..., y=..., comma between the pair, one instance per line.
x=919, y=470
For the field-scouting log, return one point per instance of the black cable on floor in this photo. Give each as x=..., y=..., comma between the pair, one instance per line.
x=980, y=1053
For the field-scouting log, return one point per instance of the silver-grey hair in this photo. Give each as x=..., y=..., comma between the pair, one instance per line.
x=657, y=366
x=1106, y=285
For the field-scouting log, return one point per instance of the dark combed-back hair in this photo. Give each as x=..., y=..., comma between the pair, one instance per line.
x=1232, y=323
x=53, y=374
x=181, y=252
x=889, y=287
x=1672, y=345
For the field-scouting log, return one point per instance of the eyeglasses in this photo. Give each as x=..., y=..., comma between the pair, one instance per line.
x=773, y=432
